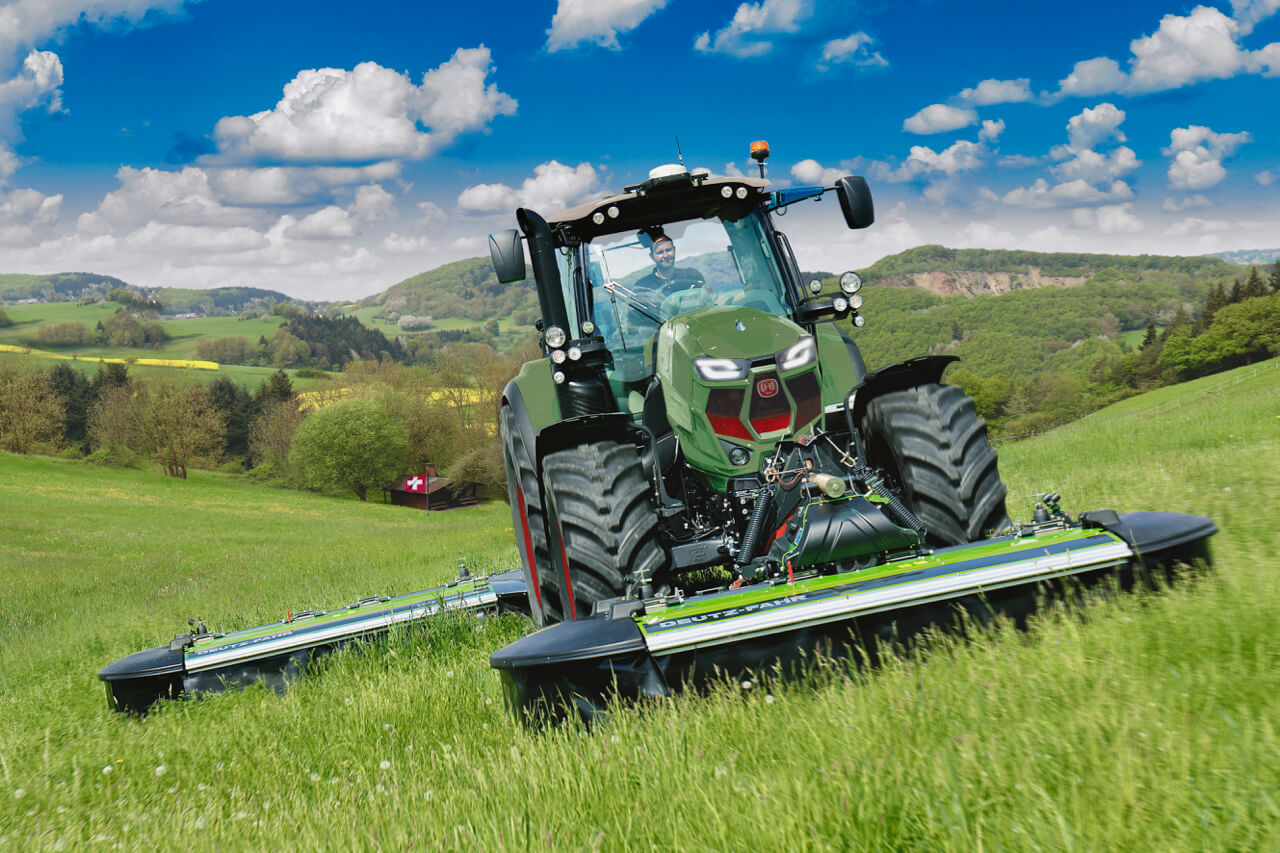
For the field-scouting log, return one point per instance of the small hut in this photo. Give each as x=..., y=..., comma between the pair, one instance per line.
x=429, y=490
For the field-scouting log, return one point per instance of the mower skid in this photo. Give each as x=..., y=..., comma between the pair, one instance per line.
x=201, y=661
x=688, y=641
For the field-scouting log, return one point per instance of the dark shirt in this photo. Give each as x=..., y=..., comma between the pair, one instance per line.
x=681, y=279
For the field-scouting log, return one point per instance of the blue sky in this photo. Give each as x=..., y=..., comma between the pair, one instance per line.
x=329, y=152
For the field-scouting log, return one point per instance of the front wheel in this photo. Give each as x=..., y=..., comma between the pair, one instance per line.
x=599, y=508
x=932, y=444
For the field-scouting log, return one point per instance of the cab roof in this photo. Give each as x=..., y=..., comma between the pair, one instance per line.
x=669, y=198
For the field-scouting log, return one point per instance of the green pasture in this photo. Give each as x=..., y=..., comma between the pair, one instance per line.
x=1152, y=722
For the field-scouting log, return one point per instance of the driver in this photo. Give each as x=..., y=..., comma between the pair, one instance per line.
x=667, y=279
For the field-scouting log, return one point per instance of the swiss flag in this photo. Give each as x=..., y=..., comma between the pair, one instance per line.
x=416, y=483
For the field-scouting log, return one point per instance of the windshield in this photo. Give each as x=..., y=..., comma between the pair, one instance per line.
x=641, y=279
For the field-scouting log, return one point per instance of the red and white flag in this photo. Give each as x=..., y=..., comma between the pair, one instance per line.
x=416, y=483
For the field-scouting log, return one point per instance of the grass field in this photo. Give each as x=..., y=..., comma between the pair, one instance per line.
x=1151, y=724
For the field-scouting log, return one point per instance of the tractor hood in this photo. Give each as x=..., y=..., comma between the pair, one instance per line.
x=735, y=380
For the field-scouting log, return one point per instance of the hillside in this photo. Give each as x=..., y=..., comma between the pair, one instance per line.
x=466, y=289
x=93, y=287
x=1250, y=256
x=977, y=272
x=1153, y=717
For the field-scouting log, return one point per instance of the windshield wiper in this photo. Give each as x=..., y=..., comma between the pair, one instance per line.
x=633, y=299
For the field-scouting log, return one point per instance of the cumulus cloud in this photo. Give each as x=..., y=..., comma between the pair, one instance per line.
x=998, y=92
x=991, y=130
x=1175, y=205
x=330, y=115
x=1194, y=226
x=1096, y=168
x=1109, y=219
x=597, y=21
x=28, y=216
x=287, y=185
x=1201, y=45
x=1042, y=195
x=812, y=173
x=1247, y=13
x=328, y=223
x=939, y=118
x=553, y=186
x=1095, y=125
x=852, y=50
x=961, y=156
x=37, y=84
x=163, y=197
x=373, y=204
x=751, y=30
x=1266, y=177
x=1197, y=154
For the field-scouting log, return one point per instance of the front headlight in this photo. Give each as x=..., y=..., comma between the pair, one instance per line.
x=804, y=352
x=721, y=369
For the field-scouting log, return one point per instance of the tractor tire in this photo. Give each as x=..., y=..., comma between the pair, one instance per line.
x=933, y=447
x=524, y=492
x=599, y=498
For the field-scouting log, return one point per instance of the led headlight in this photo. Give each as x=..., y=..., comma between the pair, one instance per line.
x=840, y=304
x=859, y=320
x=557, y=355
x=721, y=369
x=588, y=327
x=815, y=287
x=555, y=337
x=726, y=191
x=804, y=352
x=597, y=218
x=851, y=282
x=855, y=302
x=558, y=377
x=741, y=193
x=739, y=456
x=574, y=353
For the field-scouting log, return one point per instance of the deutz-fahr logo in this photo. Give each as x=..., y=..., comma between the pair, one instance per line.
x=767, y=387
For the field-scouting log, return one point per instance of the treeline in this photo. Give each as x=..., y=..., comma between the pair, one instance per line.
x=121, y=329
x=377, y=421
x=305, y=340
x=1033, y=359
x=932, y=258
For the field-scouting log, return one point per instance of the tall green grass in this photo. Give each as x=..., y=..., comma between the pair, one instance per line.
x=1151, y=723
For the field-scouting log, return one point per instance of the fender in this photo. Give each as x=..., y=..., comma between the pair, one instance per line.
x=926, y=370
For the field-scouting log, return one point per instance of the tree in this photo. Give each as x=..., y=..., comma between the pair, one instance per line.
x=76, y=394
x=115, y=422
x=124, y=330
x=4, y=319
x=1253, y=285
x=278, y=388
x=181, y=426
x=271, y=432
x=236, y=407
x=30, y=411
x=352, y=444
x=1274, y=281
x=1150, y=337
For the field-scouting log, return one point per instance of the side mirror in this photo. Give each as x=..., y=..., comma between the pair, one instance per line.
x=855, y=201
x=507, y=253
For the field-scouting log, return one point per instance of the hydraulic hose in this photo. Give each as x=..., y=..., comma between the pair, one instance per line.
x=900, y=512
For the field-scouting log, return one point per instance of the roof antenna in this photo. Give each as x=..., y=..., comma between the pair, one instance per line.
x=679, y=153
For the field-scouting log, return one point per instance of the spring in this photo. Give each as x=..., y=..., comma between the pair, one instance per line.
x=749, y=539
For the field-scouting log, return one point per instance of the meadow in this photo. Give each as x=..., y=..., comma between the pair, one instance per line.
x=1147, y=721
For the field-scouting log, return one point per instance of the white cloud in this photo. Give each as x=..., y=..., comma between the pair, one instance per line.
x=1247, y=13
x=1018, y=161
x=1197, y=154
x=961, y=156
x=597, y=21
x=1093, y=77
x=1175, y=205
x=939, y=118
x=1194, y=226
x=1042, y=195
x=372, y=204
x=402, y=245
x=36, y=85
x=852, y=50
x=1096, y=168
x=749, y=33
x=329, y=115
x=328, y=223
x=1109, y=219
x=984, y=235
x=430, y=213
x=553, y=186
x=160, y=238
x=25, y=22
x=284, y=185
x=1266, y=177
x=28, y=216
x=991, y=130
x=1094, y=125
x=154, y=195
x=812, y=173
x=1184, y=49
x=998, y=92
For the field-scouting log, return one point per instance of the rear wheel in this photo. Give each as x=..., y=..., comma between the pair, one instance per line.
x=598, y=496
x=932, y=444
x=525, y=495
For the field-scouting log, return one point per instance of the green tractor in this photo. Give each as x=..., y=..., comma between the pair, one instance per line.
x=699, y=416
